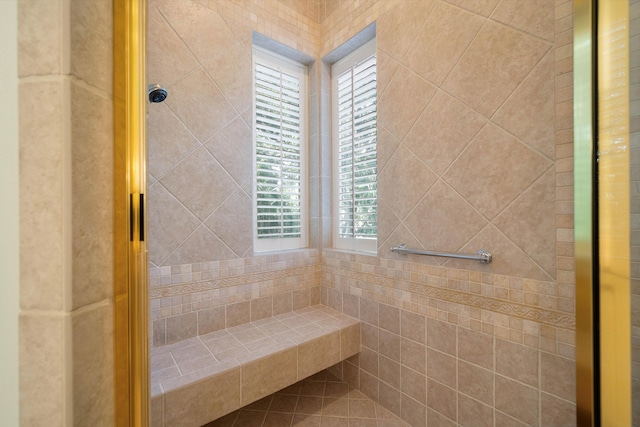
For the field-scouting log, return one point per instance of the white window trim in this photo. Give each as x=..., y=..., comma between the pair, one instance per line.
x=360, y=54
x=293, y=68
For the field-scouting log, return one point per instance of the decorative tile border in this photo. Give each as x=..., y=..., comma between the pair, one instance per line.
x=246, y=279
x=549, y=317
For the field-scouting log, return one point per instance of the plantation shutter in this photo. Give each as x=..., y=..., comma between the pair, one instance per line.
x=356, y=134
x=278, y=124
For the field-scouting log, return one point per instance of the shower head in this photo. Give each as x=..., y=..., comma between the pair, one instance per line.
x=157, y=93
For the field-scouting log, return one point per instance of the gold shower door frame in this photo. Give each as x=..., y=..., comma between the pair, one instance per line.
x=602, y=215
x=131, y=364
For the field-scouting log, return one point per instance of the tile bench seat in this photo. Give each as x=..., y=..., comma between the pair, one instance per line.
x=203, y=378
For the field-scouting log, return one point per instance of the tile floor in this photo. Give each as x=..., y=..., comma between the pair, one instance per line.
x=320, y=400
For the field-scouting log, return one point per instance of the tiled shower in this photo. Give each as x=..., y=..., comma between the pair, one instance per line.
x=474, y=151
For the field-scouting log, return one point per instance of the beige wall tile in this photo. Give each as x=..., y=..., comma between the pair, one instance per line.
x=167, y=57
x=389, y=397
x=517, y=362
x=92, y=188
x=44, y=374
x=282, y=303
x=203, y=402
x=475, y=347
x=413, y=412
x=442, y=336
x=268, y=375
x=389, y=318
x=44, y=179
x=169, y=223
x=526, y=113
x=92, y=43
x=403, y=101
x=534, y=17
x=389, y=344
x=318, y=354
x=200, y=246
x=472, y=412
x=389, y=371
x=200, y=105
x=168, y=140
x=203, y=30
x=557, y=412
x=232, y=148
x=369, y=361
x=558, y=376
x=413, y=384
x=452, y=220
x=231, y=71
x=442, y=131
x=412, y=326
x=452, y=30
x=261, y=308
x=350, y=341
x=41, y=46
x=408, y=16
x=404, y=167
x=200, y=183
x=519, y=167
x=483, y=84
x=441, y=399
x=476, y=382
x=210, y=320
x=412, y=355
x=481, y=7
x=517, y=400
x=181, y=327
x=93, y=400
x=534, y=208
x=239, y=313
x=441, y=367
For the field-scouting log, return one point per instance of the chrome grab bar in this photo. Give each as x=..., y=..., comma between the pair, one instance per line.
x=482, y=255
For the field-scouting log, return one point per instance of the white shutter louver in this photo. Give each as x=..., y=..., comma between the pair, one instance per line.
x=278, y=153
x=356, y=145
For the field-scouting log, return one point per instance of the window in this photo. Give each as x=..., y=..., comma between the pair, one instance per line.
x=279, y=136
x=354, y=147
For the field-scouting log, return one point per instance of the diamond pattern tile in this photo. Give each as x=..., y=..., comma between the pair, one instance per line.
x=527, y=115
x=441, y=42
x=408, y=15
x=402, y=102
x=404, y=181
x=169, y=223
x=443, y=130
x=535, y=17
x=508, y=258
x=444, y=221
x=200, y=105
x=168, y=140
x=161, y=38
x=200, y=28
x=494, y=170
x=231, y=70
x=493, y=66
x=232, y=148
x=320, y=400
x=201, y=246
x=229, y=222
x=200, y=183
x=530, y=222
x=481, y=7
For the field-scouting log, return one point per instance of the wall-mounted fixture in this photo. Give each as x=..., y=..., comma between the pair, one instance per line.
x=157, y=93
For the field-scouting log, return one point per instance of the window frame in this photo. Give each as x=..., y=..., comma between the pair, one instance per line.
x=357, y=56
x=294, y=68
